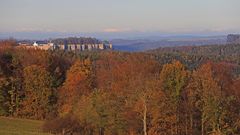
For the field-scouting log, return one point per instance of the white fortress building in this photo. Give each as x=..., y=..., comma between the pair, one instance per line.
x=43, y=45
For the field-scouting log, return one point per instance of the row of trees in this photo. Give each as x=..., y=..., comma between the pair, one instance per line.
x=112, y=93
x=76, y=40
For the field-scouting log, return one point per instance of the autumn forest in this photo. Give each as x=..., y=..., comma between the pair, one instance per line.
x=168, y=91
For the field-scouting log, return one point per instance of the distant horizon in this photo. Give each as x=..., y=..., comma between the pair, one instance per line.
x=37, y=35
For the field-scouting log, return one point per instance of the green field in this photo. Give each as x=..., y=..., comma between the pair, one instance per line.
x=14, y=126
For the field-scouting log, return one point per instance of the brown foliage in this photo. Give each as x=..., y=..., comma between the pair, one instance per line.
x=66, y=125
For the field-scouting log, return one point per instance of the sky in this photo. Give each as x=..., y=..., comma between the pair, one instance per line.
x=116, y=16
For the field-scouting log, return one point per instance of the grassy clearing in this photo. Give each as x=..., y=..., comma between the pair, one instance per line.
x=14, y=126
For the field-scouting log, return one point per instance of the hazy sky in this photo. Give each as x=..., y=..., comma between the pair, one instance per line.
x=119, y=15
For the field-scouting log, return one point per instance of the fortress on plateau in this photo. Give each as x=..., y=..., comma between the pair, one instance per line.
x=68, y=44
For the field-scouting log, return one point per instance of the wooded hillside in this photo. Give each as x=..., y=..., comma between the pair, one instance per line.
x=170, y=91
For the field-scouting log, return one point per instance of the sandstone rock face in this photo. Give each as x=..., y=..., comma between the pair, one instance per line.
x=233, y=39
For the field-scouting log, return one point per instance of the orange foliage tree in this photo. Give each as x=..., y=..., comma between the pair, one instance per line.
x=78, y=82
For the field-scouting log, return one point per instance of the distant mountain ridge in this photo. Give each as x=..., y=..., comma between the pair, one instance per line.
x=148, y=44
x=233, y=39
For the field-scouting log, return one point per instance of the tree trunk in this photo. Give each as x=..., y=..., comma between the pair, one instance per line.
x=186, y=124
x=145, y=118
x=191, y=124
x=202, y=126
x=101, y=131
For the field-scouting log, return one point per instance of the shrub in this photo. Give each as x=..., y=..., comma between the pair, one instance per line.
x=66, y=125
